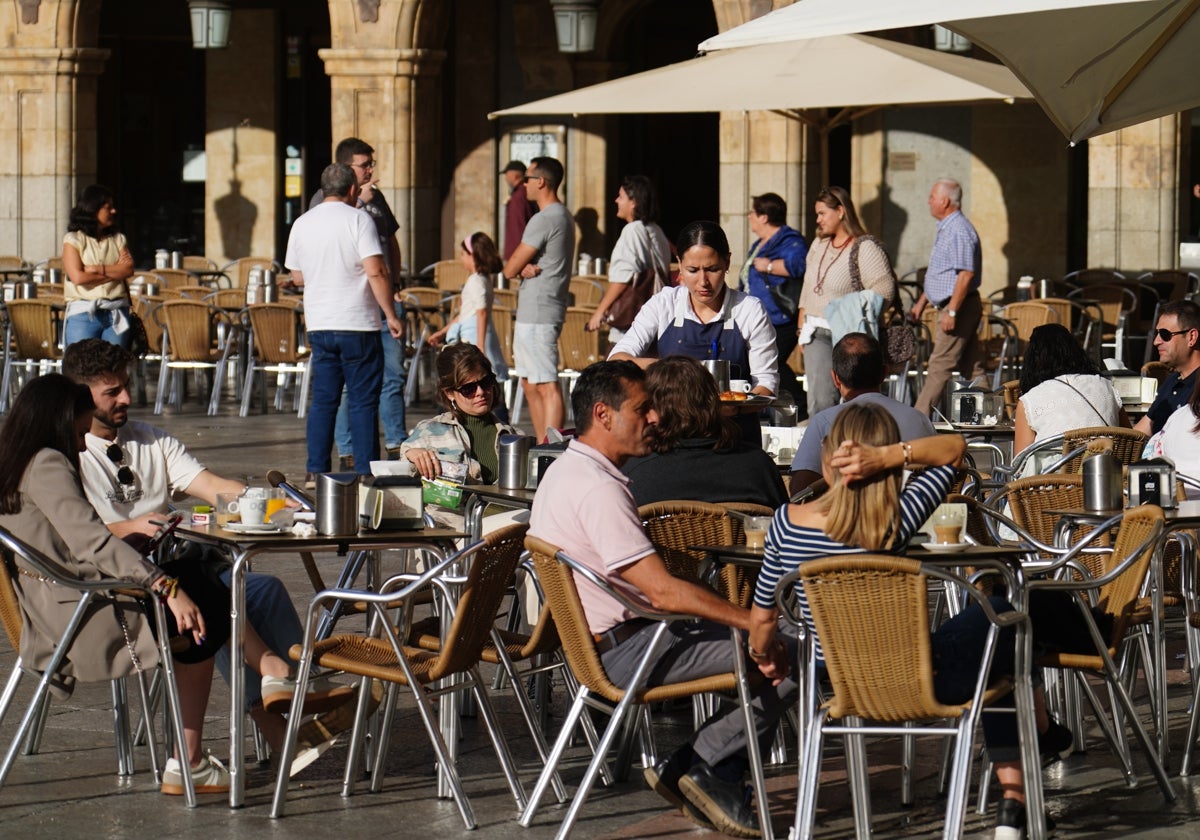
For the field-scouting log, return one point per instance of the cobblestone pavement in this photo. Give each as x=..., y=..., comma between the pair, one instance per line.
x=70, y=789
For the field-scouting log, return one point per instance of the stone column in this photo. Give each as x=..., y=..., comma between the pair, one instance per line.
x=391, y=99
x=244, y=170
x=1133, y=184
x=47, y=143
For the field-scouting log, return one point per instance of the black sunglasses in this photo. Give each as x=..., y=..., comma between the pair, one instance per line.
x=117, y=456
x=468, y=390
x=1165, y=334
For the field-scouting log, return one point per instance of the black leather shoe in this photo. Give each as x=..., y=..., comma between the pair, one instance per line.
x=663, y=778
x=720, y=801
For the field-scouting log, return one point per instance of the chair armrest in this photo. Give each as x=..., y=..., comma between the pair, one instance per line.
x=637, y=609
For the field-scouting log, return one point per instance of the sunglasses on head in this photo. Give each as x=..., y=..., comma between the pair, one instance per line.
x=1165, y=334
x=117, y=456
x=468, y=389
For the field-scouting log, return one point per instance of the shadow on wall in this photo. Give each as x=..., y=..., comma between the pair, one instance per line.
x=236, y=215
x=883, y=207
x=591, y=240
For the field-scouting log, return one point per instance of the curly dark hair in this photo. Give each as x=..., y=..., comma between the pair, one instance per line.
x=83, y=215
x=42, y=417
x=685, y=397
x=1052, y=351
x=90, y=359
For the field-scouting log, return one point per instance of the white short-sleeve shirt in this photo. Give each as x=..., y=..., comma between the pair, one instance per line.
x=161, y=467
x=328, y=245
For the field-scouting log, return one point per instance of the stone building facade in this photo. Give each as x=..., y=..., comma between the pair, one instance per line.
x=416, y=79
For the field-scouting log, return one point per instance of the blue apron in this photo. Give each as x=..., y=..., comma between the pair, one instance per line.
x=685, y=337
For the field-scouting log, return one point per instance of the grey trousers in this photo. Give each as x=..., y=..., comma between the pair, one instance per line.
x=818, y=364
x=701, y=649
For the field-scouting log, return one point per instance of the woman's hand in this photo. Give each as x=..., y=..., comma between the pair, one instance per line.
x=187, y=616
x=425, y=460
x=762, y=265
x=438, y=337
x=857, y=461
x=596, y=321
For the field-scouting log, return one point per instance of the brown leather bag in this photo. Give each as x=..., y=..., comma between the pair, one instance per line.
x=636, y=293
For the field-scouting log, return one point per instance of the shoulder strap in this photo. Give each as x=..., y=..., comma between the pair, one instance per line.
x=1100, y=416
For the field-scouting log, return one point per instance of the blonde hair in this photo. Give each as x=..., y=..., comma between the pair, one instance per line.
x=867, y=512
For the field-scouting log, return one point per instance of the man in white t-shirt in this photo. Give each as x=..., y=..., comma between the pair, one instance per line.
x=334, y=253
x=131, y=471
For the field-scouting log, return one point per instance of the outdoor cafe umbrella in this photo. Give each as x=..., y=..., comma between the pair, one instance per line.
x=1093, y=65
x=797, y=79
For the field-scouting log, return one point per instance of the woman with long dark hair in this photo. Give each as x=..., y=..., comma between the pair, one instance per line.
x=1061, y=389
x=844, y=258
x=698, y=453
x=42, y=504
x=97, y=263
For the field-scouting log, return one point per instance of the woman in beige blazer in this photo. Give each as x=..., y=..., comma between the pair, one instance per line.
x=42, y=504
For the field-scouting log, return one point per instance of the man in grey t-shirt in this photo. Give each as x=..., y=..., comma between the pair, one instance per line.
x=543, y=263
x=858, y=371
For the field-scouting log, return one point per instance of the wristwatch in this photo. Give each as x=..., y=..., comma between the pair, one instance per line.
x=953, y=313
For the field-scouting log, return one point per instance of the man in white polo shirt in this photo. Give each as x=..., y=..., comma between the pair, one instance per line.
x=334, y=253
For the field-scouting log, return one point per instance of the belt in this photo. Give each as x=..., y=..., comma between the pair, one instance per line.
x=943, y=304
x=610, y=639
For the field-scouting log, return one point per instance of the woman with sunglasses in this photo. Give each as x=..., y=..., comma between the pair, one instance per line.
x=1061, y=390
x=468, y=432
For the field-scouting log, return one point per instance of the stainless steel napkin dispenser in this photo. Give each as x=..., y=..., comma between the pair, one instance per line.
x=966, y=405
x=403, y=507
x=1152, y=482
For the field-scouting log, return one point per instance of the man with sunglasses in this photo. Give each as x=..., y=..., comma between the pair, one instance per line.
x=360, y=157
x=1177, y=337
x=131, y=471
x=542, y=263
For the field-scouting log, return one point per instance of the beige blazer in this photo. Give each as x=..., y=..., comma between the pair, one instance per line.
x=57, y=519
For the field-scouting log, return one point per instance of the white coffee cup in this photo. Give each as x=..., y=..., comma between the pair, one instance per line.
x=739, y=386
x=253, y=509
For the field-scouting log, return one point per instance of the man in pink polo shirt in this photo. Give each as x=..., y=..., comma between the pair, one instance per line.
x=583, y=506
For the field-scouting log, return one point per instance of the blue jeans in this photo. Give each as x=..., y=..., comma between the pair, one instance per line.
x=79, y=327
x=391, y=397
x=353, y=360
x=270, y=611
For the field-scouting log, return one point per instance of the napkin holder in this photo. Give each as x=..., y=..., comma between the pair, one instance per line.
x=966, y=405
x=1152, y=482
x=402, y=506
x=540, y=459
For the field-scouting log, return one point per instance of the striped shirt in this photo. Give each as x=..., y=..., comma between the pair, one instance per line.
x=788, y=545
x=955, y=249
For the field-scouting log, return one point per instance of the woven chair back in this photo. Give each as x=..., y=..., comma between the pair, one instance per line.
x=450, y=275
x=10, y=607
x=429, y=303
x=1158, y=371
x=194, y=262
x=503, y=318
x=195, y=292
x=1029, y=499
x=562, y=596
x=8, y=262
x=578, y=348
x=1028, y=316
x=239, y=270
x=34, y=325
x=1119, y=596
x=143, y=306
x=1012, y=392
x=175, y=278
x=673, y=526
x=588, y=290
x=189, y=326
x=491, y=573
x=505, y=297
x=1127, y=444
x=275, y=334
x=231, y=300
x=871, y=613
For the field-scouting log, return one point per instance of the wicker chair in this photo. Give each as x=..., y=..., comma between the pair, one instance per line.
x=1115, y=592
x=92, y=593
x=578, y=348
x=1127, y=444
x=274, y=329
x=239, y=270
x=450, y=276
x=1158, y=371
x=383, y=656
x=175, y=278
x=505, y=297
x=557, y=574
x=871, y=614
x=673, y=526
x=34, y=330
x=190, y=343
x=196, y=292
x=1028, y=499
x=587, y=291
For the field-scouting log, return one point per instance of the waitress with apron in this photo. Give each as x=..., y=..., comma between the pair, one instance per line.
x=704, y=318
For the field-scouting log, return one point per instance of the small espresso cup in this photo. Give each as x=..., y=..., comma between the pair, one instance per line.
x=739, y=386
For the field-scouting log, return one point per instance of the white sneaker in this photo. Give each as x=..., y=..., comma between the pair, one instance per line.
x=323, y=694
x=209, y=776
